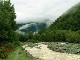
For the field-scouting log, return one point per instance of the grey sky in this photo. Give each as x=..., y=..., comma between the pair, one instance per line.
x=41, y=8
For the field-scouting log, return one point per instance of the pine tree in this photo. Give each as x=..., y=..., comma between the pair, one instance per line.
x=7, y=20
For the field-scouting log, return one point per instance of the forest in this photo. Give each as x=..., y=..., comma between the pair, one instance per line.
x=66, y=28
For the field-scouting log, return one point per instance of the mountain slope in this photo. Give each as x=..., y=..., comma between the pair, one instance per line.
x=31, y=27
x=69, y=20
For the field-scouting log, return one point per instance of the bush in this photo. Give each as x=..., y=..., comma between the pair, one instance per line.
x=73, y=37
x=6, y=49
x=3, y=53
x=25, y=37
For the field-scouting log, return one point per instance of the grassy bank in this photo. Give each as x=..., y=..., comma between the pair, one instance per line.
x=18, y=54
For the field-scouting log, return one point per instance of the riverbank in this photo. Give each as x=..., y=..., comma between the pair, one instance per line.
x=42, y=52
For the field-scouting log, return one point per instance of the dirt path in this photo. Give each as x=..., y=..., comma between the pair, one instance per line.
x=16, y=56
x=43, y=53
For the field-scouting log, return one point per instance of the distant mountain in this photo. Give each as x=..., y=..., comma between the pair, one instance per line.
x=31, y=27
x=19, y=25
x=70, y=20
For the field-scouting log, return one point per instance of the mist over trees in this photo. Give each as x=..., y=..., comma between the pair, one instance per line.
x=69, y=20
x=65, y=29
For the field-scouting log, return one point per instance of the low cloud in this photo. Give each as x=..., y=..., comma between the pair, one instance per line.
x=28, y=10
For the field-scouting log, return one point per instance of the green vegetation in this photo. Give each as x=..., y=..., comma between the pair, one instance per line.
x=9, y=51
x=5, y=49
x=33, y=27
x=8, y=37
x=53, y=36
x=61, y=35
x=18, y=54
x=26, y=37
x=66, y=28
x=69, y=20
x=7, y=22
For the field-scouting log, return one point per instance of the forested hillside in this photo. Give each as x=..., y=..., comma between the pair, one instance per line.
x=70, y=20
x=66, y=28
x=31, y=27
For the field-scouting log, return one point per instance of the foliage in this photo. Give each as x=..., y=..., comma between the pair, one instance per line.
x=52, y=36
x=8, y=36
x=18, y=54
x=65, y=28
x=73, y=37
x=26, y=36
x=57, y=36
x=5, y=49
x=7, y=23
x=69, y=20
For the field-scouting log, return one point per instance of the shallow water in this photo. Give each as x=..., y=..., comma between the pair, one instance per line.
x=43, y=53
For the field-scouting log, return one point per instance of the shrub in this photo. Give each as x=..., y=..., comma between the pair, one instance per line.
x=3, y=53
x=6, y=49
x=73, y=37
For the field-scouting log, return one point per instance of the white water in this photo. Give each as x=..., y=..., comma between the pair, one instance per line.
x=43, y=53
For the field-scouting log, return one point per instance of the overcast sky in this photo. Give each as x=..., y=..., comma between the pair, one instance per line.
x=51, y=9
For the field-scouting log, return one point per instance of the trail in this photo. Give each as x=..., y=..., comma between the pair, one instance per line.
x=16, y=56
x=43, y=53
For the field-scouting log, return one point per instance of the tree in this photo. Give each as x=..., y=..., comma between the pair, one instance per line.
x=7, y=20
x=69, y=20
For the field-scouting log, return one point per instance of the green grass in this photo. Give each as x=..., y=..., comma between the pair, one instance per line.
x=70, y=48
x=18, y=54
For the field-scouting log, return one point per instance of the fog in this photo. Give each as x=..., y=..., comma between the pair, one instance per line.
x=39, y=10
